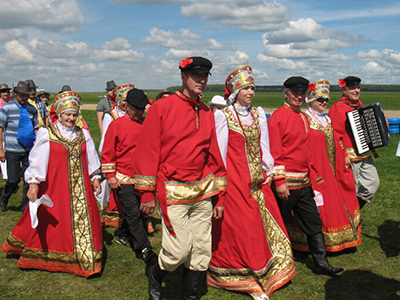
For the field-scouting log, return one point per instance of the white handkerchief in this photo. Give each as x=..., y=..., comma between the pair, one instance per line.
x=33, y=207
x=104, y=196
x=318, y=198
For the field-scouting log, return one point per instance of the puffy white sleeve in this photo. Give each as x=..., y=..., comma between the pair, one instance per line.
x=221, y=127
x=38, y=158
x=398, y=150
x=267, y=159
x=92, y=157
x=107, y=119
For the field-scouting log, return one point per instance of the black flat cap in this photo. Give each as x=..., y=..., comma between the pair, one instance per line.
x=296, y=83
x=352, y=80
x=195, y=65
x=137, y=98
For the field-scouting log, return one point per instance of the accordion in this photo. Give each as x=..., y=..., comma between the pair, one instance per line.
x=369, y=128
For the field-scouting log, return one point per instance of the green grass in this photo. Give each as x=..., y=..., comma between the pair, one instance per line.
x=372, y=272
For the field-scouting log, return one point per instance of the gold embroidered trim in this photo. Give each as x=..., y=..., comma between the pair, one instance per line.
x=80, y=221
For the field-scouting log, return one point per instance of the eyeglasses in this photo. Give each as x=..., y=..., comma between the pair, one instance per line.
x=322, y=100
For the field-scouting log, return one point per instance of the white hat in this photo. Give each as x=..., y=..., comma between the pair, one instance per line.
x=217, y=100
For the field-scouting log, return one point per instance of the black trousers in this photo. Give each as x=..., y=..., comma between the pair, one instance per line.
x=15, y=163
x=130, y=203
x=305, y=210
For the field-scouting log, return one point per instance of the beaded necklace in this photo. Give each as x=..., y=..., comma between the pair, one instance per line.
x=244, y=132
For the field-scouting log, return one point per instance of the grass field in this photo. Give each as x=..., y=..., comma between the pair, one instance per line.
x=371, y=272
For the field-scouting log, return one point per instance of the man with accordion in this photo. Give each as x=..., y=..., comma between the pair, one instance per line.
x=364, y=170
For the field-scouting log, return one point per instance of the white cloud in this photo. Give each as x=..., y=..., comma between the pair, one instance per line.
x=60, y=50
x=117, y=44
x=255, y=15
x=185, y=40
x=15, y=53
x=52, y=15
x=6, y=34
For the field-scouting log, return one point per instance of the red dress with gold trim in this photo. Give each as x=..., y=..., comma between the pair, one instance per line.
x=251, y=251
x=69, y=235
x=340, y=212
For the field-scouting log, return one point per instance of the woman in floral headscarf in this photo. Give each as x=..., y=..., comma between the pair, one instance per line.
x=64, y=235
x=335, y=192
x=251, y=250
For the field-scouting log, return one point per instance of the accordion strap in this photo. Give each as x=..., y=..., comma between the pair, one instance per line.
x=350, y=104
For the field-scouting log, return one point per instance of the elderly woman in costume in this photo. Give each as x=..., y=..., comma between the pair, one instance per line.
x=63, y=167
x=334, y=187
x=251, y=250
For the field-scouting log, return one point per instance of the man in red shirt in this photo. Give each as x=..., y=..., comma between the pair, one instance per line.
x=178, y=157
x=117, y=165
x=363, y=167
x=289, y=131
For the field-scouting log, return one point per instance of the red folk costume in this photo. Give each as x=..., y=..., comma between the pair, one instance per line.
x=251, y=250
x=113, y=214
x=178, y=155
x=68, y=237
x=337, y=113
x=340, y=212
x=287, y=140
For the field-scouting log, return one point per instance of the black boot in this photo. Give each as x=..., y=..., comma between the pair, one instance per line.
x=361, y=202
x=316, y=244
x=191, y=283
x=156, y=276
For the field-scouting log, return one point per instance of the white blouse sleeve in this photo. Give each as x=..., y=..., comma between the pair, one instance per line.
x=398, y=150
x=222, y=131
x=38, y=158
x=91, y=155
x=267, y=159
x=106, y=122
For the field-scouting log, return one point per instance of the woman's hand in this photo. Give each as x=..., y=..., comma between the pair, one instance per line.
x=97, y=186
x=33, y=192
x=347, y=162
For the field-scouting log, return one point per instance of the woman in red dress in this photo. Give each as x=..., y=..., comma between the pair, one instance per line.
x=335, y=192
x=63, y=165
x=251, y=250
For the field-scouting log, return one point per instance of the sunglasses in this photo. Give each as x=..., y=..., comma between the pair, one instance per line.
x=322, y=100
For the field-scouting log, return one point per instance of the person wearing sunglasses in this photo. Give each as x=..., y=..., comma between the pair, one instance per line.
x=333, y=183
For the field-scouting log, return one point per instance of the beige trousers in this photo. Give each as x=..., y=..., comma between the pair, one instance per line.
x=191, y=245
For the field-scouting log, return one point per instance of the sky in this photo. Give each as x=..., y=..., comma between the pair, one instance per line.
x=86, y=43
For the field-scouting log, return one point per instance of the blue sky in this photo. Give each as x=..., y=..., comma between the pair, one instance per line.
x=86, y=43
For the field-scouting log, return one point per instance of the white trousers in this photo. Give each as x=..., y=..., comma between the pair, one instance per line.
x=191, y=245
x=366, y=178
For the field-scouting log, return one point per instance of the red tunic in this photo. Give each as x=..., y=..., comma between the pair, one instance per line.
x=289, y=142
x=251, y=251
x=69, y=235
x=177, y=154
x=340, y=212
x=119, y=149
x=340, y=124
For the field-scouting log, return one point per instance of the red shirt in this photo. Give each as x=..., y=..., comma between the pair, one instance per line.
x=340, y=124
x=119, y=149
x=289, y=132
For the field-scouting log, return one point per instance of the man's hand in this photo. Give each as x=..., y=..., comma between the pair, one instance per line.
x=33, y=192
x=218, y=212
x=347, y=162
x=283, y=192
x=148, y=207
x=113, y=182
